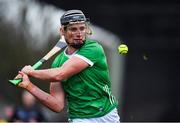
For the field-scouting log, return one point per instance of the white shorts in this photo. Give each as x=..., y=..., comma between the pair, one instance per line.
x=111, y=117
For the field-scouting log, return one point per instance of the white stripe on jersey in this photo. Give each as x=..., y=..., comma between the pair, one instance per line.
x=85, y=59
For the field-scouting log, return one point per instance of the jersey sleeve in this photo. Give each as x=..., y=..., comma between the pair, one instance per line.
x=91, y=53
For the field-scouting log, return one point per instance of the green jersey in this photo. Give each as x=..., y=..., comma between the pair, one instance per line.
x=89, y=92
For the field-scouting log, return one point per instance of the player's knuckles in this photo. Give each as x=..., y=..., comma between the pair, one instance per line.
x=20, y=85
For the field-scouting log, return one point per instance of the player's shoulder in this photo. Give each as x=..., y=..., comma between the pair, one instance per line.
x=59, y=55
x=92, y=43
x=57, y=59
x=91, y=47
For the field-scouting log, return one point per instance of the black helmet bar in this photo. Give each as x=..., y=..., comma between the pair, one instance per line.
x=73, y=16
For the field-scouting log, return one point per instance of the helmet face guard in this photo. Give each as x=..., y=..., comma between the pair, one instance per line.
x=73, y=16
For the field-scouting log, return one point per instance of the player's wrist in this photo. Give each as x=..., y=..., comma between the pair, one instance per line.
x=30, y=73
x=30, y=86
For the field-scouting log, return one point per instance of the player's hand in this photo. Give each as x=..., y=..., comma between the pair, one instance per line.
x=27, y=69
x=25, y=80
x=18, y=76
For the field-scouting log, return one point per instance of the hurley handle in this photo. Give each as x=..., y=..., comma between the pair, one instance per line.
x=35, y=66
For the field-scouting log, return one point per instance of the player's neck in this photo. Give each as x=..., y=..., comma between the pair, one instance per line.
x=70, y=50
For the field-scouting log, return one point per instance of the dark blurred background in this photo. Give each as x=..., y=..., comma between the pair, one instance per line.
x=151, y=30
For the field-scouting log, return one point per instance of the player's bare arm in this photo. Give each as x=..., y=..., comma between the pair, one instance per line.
x=54, y=101
x=71, y=67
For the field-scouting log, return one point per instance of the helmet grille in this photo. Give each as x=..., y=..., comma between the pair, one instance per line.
x=72, y=16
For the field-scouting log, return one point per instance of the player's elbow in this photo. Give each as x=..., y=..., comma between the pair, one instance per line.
x=58, y=108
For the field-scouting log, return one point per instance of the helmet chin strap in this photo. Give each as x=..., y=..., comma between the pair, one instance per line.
x=76, y=45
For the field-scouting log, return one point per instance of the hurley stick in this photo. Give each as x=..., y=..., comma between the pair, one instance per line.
x=60, y=45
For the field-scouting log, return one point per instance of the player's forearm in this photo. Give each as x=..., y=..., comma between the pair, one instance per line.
x=68, y=69
x=55, y=74
x=45, y=98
